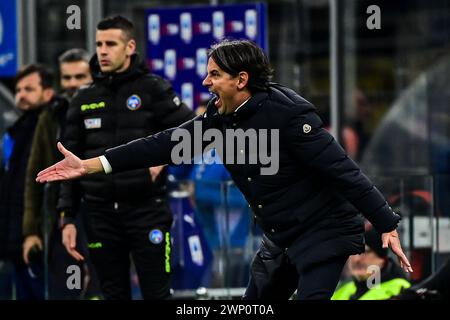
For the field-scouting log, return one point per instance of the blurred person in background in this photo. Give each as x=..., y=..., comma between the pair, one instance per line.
x=33, y=93
x=360, y=126
x=375, y=259
x=127, y=215
x=74, y=73
x=355, y=133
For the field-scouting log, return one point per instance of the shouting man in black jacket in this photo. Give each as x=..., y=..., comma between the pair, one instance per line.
x=127, y=212
x=307, y=201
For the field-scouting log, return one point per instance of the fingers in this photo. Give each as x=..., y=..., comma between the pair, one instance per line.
x=403, y=260
x=50, y=173
x=63, y=150
x=72, y=242
x=25, y=254
x=385, y=244
x=30, y=242
x=406, y=265
x=39, y=244
x=48, y=177
x=385, y=239
x=47, y=170
x=391, y=239
x=76, y=255
x=72, y=251
x=155, y=171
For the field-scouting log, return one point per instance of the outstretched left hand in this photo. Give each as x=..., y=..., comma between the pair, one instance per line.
x=391, y=240
x=70, y=167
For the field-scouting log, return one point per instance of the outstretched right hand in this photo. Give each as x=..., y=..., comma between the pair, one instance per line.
x=70, y=167
x=69, y=239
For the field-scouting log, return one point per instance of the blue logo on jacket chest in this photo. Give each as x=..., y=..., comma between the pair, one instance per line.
x=155, y=236
x=134, y=102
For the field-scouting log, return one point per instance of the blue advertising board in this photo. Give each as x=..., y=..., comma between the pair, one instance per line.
x=8, y=38
x=178, y=39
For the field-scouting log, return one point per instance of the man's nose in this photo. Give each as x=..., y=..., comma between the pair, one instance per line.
x=102, y=50
x=206, y=82
x=19, y=95
x=73, y=83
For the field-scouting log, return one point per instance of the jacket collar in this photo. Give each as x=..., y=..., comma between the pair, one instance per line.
x=59, y=104
x=247, y=110
x=27, y=119
x=136, y=69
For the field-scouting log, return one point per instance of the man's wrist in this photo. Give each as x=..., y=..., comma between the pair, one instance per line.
x=65, y=220
x=94, y=165
x=105, y=164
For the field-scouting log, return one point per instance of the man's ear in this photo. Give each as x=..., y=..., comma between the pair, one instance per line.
x=48, y=94
x=242, y=80
x=131, y=47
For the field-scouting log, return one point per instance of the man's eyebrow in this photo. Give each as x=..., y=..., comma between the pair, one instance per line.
x=106, y=41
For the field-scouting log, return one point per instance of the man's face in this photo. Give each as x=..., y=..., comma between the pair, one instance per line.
x=30, y=94
x=224, y=86
x=113, y=50
x=74, y=75
x=359, y=264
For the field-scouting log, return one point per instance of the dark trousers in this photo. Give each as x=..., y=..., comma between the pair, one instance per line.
x=274, y=276
x=60, y=260
x=117, y=233
x=29, y=280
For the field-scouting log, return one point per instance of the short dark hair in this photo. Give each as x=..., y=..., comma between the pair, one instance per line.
x=74, y=55
x=118, y=22
x=234, y=56
x=46, y=75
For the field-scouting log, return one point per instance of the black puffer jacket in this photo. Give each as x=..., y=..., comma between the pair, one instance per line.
x=115, y=109
x=311, y=204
